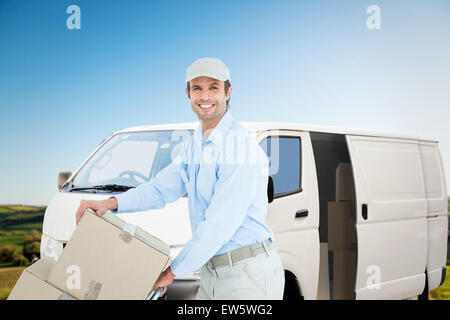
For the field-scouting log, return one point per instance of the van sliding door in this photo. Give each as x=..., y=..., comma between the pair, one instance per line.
x=391, y=211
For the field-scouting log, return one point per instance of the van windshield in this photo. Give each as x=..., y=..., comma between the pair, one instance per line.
x=131, y=158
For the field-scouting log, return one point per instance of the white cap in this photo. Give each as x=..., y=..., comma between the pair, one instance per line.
x=209, y=67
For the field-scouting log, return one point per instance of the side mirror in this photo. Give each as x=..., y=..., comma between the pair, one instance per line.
x=62, y=178
x=270, y=190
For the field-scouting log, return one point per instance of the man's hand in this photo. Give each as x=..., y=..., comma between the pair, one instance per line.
x=165, y=278
x=100, y=207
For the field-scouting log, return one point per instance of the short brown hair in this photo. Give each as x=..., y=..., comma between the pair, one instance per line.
x=227, y=87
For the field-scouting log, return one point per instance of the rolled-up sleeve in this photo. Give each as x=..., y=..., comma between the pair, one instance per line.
x=167, y=186
x=223, y=217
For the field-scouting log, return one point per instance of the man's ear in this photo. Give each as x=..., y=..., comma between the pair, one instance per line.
x=187, y=93
x=229, y=92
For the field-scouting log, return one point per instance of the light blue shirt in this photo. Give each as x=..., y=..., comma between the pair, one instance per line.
x=225, y=177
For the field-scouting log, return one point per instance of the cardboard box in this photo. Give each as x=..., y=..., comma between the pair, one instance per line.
x=323, y=291
x=345, y=190
x=32, y=284
x=341, y=226
x=107, y=258
x=344, y=274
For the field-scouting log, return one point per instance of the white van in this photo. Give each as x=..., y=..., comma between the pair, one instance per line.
x=357, y=214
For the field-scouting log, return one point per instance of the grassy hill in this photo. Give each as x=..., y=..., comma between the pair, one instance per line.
x=16, y=221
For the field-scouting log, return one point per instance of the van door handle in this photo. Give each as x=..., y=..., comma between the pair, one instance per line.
x=301, y=213
x=364, y=211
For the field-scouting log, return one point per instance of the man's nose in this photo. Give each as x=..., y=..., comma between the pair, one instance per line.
x=205, y=95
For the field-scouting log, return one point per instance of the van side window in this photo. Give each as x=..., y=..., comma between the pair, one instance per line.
x=284, y=154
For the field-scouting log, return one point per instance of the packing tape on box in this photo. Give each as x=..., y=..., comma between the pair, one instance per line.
x=127, y=233
x=129, y=228
x=93, y=290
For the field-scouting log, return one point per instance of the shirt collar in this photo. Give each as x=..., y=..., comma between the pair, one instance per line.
x=218, y=133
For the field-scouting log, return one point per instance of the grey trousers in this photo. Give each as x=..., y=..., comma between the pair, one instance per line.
x=256, y=278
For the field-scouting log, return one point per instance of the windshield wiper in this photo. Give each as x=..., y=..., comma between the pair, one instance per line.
x=107, y=187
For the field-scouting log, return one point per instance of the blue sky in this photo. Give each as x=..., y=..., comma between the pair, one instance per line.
x=63, y=91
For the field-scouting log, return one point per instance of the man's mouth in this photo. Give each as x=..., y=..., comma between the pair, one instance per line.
x=206, y=106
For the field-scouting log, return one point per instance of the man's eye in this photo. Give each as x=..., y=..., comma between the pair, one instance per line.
x=196, y=89
x=214, y=88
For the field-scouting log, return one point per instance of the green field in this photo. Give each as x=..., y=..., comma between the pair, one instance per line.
x=9, y=239
x=24, y=227
x=17, y=220
x=7, y=210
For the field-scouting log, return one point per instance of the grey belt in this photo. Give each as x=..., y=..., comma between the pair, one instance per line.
x=240, y=254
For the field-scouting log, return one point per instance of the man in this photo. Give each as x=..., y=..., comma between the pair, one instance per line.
x=225, y=174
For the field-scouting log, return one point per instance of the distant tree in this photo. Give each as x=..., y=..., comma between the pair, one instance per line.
x=8, y=252
x=20, y=260
x=35, y=247
x=32, y=244
x=36, y=235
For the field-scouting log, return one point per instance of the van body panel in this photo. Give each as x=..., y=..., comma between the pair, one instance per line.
x=436, y=195
x=301, y=260
x=435, y=186
x=298, y=238
x=60, y=220
x=389, y=181
x=394, y=290
x=437, y=249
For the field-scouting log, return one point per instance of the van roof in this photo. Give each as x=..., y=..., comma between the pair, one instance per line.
x=262, y=126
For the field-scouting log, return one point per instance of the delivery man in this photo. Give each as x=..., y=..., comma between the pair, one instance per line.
x=225, y=174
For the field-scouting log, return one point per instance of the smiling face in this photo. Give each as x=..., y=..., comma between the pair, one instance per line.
x=208, y=98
